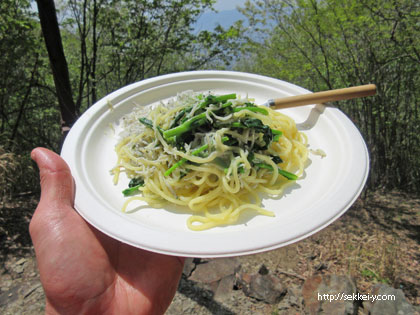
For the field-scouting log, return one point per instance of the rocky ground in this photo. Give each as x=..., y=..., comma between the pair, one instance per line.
x=373, y=249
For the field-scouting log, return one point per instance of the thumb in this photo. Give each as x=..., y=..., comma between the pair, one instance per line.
x=57, y=186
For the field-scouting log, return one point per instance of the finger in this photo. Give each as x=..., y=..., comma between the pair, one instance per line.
x=57, y=186
x=55, y=207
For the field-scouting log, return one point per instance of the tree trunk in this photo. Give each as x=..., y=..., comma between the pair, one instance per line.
x=51, y=32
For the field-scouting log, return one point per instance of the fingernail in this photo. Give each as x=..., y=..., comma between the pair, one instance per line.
x=40, y=155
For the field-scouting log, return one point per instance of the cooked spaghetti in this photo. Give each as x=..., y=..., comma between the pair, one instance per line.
x=215, y=155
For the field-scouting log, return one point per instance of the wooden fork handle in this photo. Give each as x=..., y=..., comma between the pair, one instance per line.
x=322, y=97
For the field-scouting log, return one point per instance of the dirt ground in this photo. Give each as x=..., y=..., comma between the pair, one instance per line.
x=376, y=241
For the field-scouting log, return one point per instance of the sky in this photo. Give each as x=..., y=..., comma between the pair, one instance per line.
x=223, y=5
x=226, y=15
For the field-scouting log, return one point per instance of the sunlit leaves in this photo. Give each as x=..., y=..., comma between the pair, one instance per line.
x=137, y=39
x=331, y=44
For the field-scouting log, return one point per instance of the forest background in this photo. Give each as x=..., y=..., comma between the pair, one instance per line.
x=49, y=78
x=106, y=44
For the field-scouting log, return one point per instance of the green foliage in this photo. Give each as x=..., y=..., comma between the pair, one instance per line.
x=28, y=114
x=372, y=275
x=316, y=44
x=27, y=106
x=115, y=43
x=332, y=44
x=107, y=44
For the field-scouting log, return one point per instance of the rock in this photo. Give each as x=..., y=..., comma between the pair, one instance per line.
x=20, y=261
x=292, y=303
x=214, y=270
x=321, y=266
x=330, y=294
x=393, y=302
x=215, y=276
x=224, y=288
x=189, y=266
x=19, y=266
x=263, y=286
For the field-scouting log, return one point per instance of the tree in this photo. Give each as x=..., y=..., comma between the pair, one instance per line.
x=115, y=43
x=331, y=44
x=28, y=106
x=25, y=95
x=107, y=44
x=52, y=36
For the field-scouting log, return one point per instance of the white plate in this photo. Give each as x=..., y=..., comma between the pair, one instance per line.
x=329, y=187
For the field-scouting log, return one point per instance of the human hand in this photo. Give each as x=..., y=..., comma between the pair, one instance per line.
x=84, y=271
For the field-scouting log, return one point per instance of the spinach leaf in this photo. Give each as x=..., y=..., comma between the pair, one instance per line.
x=133, y=186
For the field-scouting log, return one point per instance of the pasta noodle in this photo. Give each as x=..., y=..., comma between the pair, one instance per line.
x=214, y=155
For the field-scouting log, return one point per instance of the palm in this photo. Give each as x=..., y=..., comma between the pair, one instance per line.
x=84, y=270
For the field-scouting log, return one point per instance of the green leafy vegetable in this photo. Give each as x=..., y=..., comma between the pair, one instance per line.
x=252, y=109
x=276, y=159
x=147, y=122
x=133, y=186
x=258, y=125
x=284, y=173
x=185, y=125
x=183, y=160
